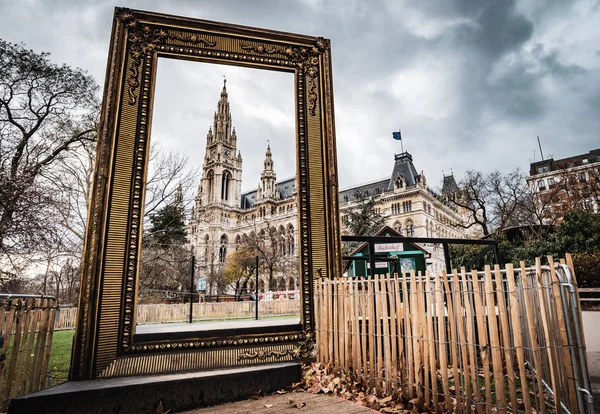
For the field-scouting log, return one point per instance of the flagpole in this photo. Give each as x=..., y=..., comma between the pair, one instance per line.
x=401, y=143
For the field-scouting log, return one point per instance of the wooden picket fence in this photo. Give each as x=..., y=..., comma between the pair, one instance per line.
x=180, y=312
x=505, y=340
x=26, y=326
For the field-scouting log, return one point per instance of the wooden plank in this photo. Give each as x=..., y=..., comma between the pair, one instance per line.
x=330, y=311
x=371, y=323
x=443, y=340
x=22, y=347
x=407, y=304
x=454, y=339
x=10, y=311
x=29, y=373
x=495, y=345
x=430, y=369
x=336, y=327
x=377, y=321
x=546, y=327
x=398, y=353
x=417, y=338
x=484, y=348
x=471, y=339
x=517, y=335
x=386, y=305
x=506, y=343
x=394, y=305
x=343, y=325
x=364, y=331
x=340, y=332
x=12, y=366
x=533, y=335
x=354, y=309
x=459, y=307
x=51, y=311
x=39, y=347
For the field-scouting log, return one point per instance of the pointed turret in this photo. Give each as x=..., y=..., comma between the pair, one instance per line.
x=222, y=170
x=268, y=176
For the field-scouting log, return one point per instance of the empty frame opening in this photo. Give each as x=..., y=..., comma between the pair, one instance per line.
x=220, y=222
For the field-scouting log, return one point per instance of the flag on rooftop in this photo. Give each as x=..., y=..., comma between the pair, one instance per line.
x=397, y=135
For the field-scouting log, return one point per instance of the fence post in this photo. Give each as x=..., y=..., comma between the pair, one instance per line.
x=256, y=307
x=192, y=287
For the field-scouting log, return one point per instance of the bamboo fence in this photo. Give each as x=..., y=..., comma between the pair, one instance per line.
x=26, y=326
x=499, y=340
x=180, y=312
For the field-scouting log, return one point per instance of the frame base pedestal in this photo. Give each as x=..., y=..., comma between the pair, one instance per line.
x=178, y=392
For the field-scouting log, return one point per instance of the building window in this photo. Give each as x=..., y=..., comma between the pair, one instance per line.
x=211, y=184
x=550, y=182
x=584, y=161
x=582, y=177
x=225, y=185
x=410, y=229
x=541, y=185
x=543, y=169
x=223, y=249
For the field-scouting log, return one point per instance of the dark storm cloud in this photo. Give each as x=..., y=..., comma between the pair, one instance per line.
x=470, y=82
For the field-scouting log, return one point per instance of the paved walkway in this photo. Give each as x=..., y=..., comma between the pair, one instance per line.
x=275, y=404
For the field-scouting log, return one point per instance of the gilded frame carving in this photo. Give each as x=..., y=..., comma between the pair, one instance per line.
x=105, y=340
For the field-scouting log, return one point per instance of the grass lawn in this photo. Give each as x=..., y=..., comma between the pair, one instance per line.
x=60, y=356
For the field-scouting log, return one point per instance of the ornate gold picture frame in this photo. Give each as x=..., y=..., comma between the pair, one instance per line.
x=106, y=344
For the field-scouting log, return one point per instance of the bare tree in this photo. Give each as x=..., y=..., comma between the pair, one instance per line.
x=267, y=243
x=473, y=197
x=46, y=110
x=167, y=172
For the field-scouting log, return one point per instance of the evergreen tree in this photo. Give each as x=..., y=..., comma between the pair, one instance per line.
x=365, y=219
x=168, y=227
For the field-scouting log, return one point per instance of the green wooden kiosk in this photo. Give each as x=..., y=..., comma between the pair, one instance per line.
x=409, y=256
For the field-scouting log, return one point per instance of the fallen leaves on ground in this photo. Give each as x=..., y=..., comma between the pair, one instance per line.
x=297, y=404
x=319, y=378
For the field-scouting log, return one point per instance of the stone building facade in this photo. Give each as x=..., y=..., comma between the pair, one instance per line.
x=410, y=207
x=223, y=216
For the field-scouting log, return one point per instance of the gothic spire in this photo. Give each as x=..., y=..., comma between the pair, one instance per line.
x=222, y=128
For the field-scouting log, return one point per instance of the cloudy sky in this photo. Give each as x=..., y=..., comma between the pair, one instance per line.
x=470, y=83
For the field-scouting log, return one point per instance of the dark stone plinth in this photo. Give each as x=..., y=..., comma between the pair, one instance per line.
x=178, y=392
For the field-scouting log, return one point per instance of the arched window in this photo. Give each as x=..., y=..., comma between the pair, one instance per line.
x=291, y=247
x=225, y=183
x=223, y=249
x=211, y=184
x=410, y=229
x=398, y=227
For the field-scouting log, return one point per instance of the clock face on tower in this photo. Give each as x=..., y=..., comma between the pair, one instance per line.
x=226, y=153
